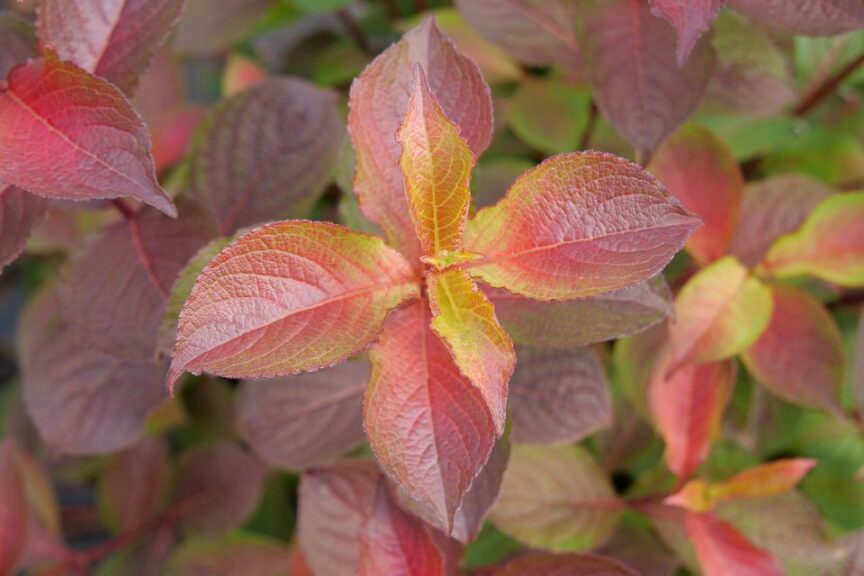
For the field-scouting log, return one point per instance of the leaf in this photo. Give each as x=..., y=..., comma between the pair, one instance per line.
x=81, y=400
x=266, y=153
x=723, y=551
x=719, y=313
x=634, y=359
x=113, y=39
x=558, y=396
x=772, y=208
x=19, y=212
x=535, y=32
x=316, y=277
x=378, y=101
x=241, y=73
x=829, y=244
x=564, y=565
x=556, y=498
x=13, y=514
x=800, y=355
x=393, y=542
x=133, y=486
x=233, y=555
x=298, y=421
x=219, y=486
x=428, y=425
x=770, y=479
x=113, y=293
x=604, y=222
x=66, y=134
x=568, y=323
x=549, y=115
x=204, y=31
x=700, y=170
x=808, y=17
x=687, y=407
x=334, y=501
x=465, y=320
x=436, y=163
x=637, y=83
x=18, y=39
x=690, y=19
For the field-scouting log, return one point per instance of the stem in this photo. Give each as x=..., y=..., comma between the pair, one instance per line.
x=354, y=31
x=589, y=127
x=819, y=93
x=420, y=5
x=127, y=211
x=393, y=11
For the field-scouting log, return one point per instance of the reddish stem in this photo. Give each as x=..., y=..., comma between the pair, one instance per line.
x=819, y=93
x=127, y=211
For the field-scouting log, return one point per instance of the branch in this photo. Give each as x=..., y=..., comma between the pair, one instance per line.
x=814, y=97
x=354, y=31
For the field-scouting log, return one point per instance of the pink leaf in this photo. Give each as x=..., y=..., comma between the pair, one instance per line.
x=334, y=502
x=266, y=153
x=638, y=84
x=701, y=171
x=81, y=400
x=318, y=280
x=67, y=134
x=133, y=486
x=219, y=485
x=567, y=323
x=800, y=355
x=13, y=512
x=535, y=32
x=577, y=225
x=113, y=39
x=379, y=98
x=809, y=17
x=723, y=551
x=564, y=565
x=428, y=426
x=558, y=395
x=298, y=421
x=19, y=211
x=691, y=19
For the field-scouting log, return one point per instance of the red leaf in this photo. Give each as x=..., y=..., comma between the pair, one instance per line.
x=394, y=543
x=318, y=279
x=687, y=408
x=537, y=33
x=800, y=355
x=564, y=565
x=809, y=17
x=723, y=551
x=701, y=171
x=379, y=98
x=133, y=486
x=219, y=485
x=114, y=293
x=298, y=421
x=772, y=208
x=558, y=395
x=18, y=40
x=334, y=502
x=545, y=239
x=113, y=39
x=568, y=323
x=81, y=400
x=67, y=134
x=266, y=153
x=13, y=512
x=428, y=426
x=637, y=82
x=19, y=211
x=691, y=19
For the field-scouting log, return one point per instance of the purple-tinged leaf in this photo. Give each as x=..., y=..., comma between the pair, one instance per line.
x=568, y=323
x=690, y=18
x=81, y=400
x=234, y=555
x=556, y=498
x=379, y=98
x=18, y=40
x=564, y=565
x=634, y=359
x=266, y=153
x=808, y=17
x=133, y=486
x=13, y=511
x=204, y=31
x=67, y=134
x=219, y=485
x=535, y=32
x=637, y=82
x=298, y=421
x=19, y=211
x=113, y=39
x=636, y=546
x=334, y=502
x=558, y=396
